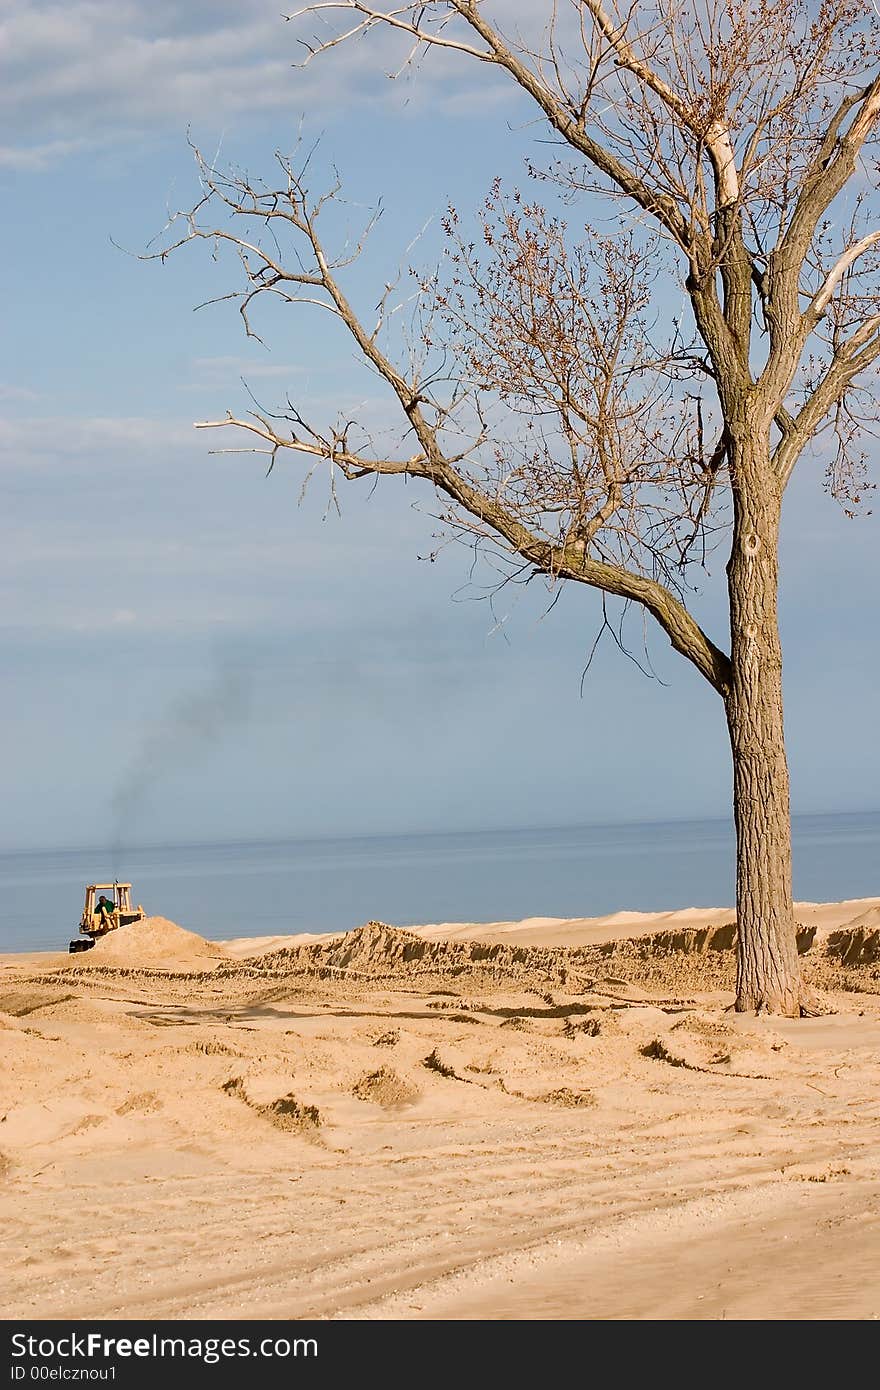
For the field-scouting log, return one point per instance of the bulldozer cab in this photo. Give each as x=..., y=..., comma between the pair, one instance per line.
x=107, y=906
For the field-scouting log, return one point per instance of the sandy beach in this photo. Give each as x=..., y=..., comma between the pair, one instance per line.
x=539, y=1119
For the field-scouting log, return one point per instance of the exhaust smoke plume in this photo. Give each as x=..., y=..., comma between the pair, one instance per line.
x=182, y=737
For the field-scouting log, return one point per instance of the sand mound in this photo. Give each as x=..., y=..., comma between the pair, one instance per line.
x=518, y=1024
x=434, y=1062
x=705, y=1043
x=705, y=1027
x=156, y=943
x=385, y=1087
x=289, y=1113
x=565, y=1096
x=285, y=1112
x=144, y=1103
x=209, y=1047
x=587, y=1027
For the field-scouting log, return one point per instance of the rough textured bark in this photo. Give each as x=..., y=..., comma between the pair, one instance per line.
x=768, y=973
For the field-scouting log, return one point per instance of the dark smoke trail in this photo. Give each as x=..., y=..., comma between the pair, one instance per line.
x=184, y=735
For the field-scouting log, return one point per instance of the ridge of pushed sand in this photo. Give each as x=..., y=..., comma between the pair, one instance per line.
x=686, y=960
x=587, y=931
x=377, y=949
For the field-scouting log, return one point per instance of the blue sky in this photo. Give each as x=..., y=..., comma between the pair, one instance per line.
x=188, y=653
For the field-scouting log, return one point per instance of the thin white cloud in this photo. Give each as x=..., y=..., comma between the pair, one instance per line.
x=32, y=440
x=225, y=369
x=185, y=615
x=36, y=158
x=10, y=392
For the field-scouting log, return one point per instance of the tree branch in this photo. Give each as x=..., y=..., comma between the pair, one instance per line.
x=860, y=351
x=716, y=136
x=829, y=172
x=557, y=561
x=834, y=164
x=266, y=273
x=822, y=296
x=392, y=19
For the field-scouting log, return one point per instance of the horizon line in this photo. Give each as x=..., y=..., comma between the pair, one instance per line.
x=346, y=836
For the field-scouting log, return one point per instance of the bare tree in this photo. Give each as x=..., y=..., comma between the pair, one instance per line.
x=734, y=144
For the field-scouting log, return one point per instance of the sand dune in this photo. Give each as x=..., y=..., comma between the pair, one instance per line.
x=868, y=920
x=531, y=1120
x=585, y=931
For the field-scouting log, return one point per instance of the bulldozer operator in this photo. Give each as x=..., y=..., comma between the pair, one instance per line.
x=105, y=910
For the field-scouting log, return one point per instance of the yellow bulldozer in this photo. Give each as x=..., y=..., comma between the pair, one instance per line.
x=102, y=914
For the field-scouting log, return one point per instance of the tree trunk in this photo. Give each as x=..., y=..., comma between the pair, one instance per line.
x=768, y=972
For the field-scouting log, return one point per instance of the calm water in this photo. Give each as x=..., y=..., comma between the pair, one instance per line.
x=228, y=890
